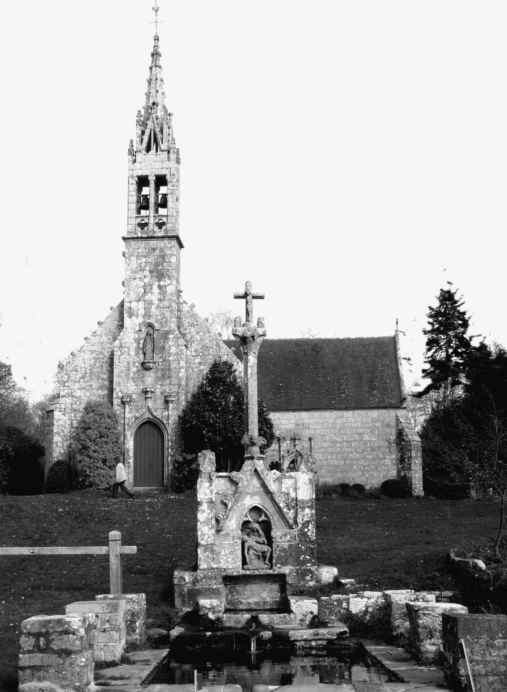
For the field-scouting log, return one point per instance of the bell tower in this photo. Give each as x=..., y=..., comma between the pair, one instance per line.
x=154, y=164
x=153, y=192
x=149, y=354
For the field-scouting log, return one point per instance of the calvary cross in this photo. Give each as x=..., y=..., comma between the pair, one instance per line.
x=250, y=338
x=249, y=298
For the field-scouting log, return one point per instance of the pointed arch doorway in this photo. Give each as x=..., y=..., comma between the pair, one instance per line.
x=149, y=456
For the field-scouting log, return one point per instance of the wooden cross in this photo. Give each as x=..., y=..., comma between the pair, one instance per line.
x=249, y=298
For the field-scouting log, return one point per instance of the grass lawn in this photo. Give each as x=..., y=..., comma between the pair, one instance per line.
x=381, y=543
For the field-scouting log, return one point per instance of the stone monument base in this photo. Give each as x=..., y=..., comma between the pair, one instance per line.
x=237, y=594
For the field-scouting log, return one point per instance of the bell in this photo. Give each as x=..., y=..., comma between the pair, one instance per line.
x=162, y=200
x=144, y=201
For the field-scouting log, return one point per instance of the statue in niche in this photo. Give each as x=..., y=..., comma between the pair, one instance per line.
x=149, y=349
x=255, y=546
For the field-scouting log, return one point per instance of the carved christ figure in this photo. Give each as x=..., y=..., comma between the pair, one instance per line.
x=255, y=546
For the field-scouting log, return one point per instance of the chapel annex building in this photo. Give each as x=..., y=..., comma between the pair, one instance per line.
x=343, y=399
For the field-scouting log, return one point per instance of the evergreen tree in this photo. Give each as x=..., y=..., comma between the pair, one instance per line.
x=464, y=441
x=97, y=445
x=213, y=418
x=447, y=345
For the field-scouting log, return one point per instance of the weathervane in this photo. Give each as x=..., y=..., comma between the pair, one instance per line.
x=156, y=9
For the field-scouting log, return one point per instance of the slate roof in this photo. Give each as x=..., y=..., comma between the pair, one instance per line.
x=329, y=374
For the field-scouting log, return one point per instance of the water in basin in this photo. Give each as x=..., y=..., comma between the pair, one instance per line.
x=339, y=665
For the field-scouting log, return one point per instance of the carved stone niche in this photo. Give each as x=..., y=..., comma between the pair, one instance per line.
x=148, y=348
x=256, y=540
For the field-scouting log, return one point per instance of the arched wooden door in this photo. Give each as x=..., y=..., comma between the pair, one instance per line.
x=149, y=456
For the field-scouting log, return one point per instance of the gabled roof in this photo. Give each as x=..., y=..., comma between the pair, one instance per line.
x=330, y=374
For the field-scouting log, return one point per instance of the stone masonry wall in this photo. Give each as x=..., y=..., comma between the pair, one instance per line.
x=56, y=651
x=182, y=359
x=84, y=376
x=411, y=466
x=485, y=639
x=204, y=346
x=347, y=446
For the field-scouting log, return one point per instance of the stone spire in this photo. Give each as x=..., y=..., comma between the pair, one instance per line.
x=154, y=124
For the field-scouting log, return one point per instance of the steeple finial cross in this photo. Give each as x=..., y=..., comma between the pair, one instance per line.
x=156, y=9
x=249, y=296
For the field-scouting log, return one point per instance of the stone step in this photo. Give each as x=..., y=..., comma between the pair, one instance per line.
x=338, y=630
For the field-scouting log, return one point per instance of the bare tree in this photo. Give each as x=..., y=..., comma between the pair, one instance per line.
x=310, y=333
x=14, y=406
x=420, y=408
x=221, y=321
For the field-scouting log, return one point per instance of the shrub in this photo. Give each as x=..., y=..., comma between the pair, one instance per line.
x=60, y=478
x=21, y=462
x=358, y=489
x=394, y=487
x=445, y=490
x=344, y=489
x=185, y=472
x=326, y=489
x=6, y=460
x=97, y=446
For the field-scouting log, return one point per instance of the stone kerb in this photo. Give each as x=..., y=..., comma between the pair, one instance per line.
x=367, y=611
x=135, y=616
x=109, y=639
x=485, y=638
x=375, y=613
x=396, y=601
x=425, y=640
x=334, y=608
x=57, y=650
x=303, y=609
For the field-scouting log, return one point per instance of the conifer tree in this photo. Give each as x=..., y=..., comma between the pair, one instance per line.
x=97, y=444
x=447, y=345
x=213, y=418
x=464, y=442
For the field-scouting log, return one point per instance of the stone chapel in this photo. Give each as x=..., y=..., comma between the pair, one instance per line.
x=152, y=349
x=341, y=400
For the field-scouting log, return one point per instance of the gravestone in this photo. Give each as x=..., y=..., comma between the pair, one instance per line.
x=255, y=527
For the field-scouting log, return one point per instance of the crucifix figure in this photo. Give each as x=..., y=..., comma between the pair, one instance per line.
x=250, y=338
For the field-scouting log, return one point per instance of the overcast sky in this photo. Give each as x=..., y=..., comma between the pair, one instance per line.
x=347, y=157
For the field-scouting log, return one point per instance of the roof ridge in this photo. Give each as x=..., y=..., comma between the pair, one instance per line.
x=322, y=338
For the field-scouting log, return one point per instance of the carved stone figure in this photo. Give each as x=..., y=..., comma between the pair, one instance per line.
x=255, y=547
x=206, y=461
x=148, y=349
